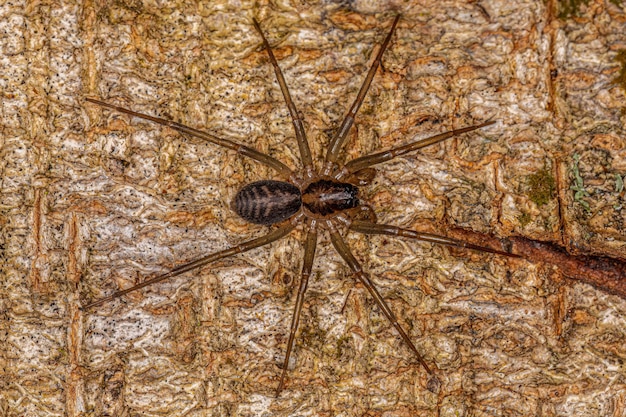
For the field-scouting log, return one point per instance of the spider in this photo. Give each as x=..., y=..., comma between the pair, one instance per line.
x=315, y=199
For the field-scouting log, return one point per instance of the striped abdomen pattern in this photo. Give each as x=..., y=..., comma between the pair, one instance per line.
x=267, y=202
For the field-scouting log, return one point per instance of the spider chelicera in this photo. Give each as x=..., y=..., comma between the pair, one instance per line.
x=325, y=199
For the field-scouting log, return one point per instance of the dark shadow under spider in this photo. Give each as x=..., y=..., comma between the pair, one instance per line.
x=318, y=200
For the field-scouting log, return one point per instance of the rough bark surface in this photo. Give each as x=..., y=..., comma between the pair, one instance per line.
x=92, y=201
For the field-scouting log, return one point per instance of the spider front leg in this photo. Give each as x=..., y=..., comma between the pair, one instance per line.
x=367, y=161
x=303, y=144
x=226, y=143
x=349, y=258
x=309, y=256
x=340, y=137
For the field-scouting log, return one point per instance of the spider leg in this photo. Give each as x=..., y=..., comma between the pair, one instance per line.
x=347, y=256
x=303, y=144
x=376, y=158
x=337, y=142
x=309, y=255
x=242, y=247
x=226, y=143
x=365, y=227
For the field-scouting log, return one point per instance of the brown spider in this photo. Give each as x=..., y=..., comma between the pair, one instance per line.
x=317, y=199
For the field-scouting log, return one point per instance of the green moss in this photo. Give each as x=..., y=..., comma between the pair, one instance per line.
x=569, y=8
x=343, y=346
x=313, y=337
x=619, y=183
x=524, y=219
x=579, y=187
x=542, y=186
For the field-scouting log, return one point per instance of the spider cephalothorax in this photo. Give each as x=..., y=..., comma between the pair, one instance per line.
x=325, y=199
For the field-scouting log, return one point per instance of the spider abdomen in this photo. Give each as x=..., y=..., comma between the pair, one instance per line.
x=327, y=196
x=267, y=202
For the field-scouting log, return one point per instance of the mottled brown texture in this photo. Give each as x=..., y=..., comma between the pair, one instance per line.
x=92, y=201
